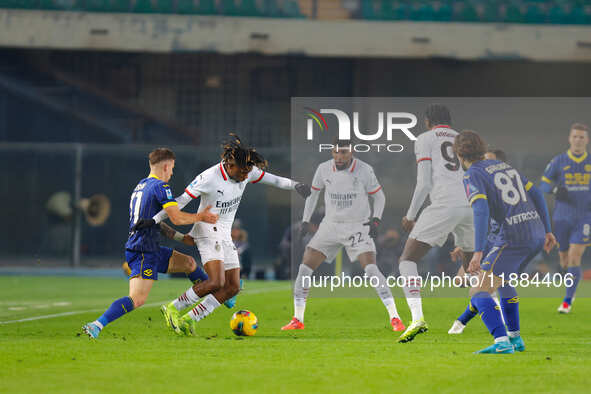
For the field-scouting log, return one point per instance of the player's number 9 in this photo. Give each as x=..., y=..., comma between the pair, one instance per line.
x=454, y=162
x=509, y=193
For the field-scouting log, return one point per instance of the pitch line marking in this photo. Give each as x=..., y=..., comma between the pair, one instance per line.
x=62, y=314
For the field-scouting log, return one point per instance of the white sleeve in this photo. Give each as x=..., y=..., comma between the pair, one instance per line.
x=379, y=202
x=422, y=149
x=258, y=175
x=422, y=188
x=317, y=181
x=371, y=182
x=182, y=201
x=310, y=205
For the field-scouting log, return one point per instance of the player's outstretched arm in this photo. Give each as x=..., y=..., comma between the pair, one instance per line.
x=422, y=189
x=481, y=219
x=181, y=200
x=538, y=199
x=171, y=233
x=309, y=208
x=284, y=183
x=180, y=218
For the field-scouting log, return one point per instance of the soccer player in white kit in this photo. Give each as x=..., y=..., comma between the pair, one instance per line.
x=347, y=183
x=440, y=176
x=221, y=187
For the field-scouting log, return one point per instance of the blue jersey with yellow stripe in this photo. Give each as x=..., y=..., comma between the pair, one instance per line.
x=574, y=173
x=149, y=197
x=509, y=204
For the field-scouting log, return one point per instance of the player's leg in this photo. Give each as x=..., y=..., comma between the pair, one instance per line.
x=211, y=302
x=491, y=315
x=324, y=246
x=144, y=272
x=368, y=263
x=578, y=243
x=563, y=231
x=301, y=287
x=431, y=229
x=574, y=272
x=414, y=250
x=215, y=280
x=464, y=239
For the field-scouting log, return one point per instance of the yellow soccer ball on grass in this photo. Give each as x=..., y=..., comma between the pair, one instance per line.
x=244, y=323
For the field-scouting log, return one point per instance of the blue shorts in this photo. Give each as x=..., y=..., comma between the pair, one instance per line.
x=148, y=264
x=507, y=259
x=572, y=232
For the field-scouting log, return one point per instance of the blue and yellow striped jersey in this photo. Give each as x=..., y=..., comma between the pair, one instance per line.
x=149, y=197
x=574, y=173
x=509, y=203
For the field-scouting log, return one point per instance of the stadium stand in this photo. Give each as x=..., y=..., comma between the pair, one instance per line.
x=576, y=12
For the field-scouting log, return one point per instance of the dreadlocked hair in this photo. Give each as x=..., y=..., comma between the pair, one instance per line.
x=244, y=156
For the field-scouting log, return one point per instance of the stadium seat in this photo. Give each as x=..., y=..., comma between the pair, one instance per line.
x=399, y=10
x=49, y=5
x=291, y=9
x=368, y=10
x=228, y=7
x=185, y=7
x=512, y=14
x=271, y=9
x=557, y=14
x=144, y=7
x=490, y=12
x=205, y=7
x=443, y=13
x=249, y=8
x=533, y=14
x=19, y=4
x=466, y=12
x=422, y=12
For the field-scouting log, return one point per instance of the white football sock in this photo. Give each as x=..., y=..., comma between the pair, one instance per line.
x=412, y=288
x=501, y=339
x=99, y=324
x=186, y=299
x=382, y=289
x=300, y=293
x=207, y=306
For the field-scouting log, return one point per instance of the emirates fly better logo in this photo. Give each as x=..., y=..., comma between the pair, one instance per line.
x=389, y=122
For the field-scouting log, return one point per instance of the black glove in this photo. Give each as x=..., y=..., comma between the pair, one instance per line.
x=374, y=224
x=143, y=223
x=561, y=193
x=304, y=229
x=303, y=189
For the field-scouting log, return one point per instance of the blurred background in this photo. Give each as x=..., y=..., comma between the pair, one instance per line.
x=89, y=87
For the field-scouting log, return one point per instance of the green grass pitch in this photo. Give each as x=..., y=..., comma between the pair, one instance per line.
x=347, y=345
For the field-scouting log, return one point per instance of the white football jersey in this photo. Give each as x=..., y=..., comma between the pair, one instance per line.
x=446, y=171
x=217, y=189
x=346, y=191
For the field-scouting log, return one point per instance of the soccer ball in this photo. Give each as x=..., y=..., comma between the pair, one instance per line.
x=244, y=323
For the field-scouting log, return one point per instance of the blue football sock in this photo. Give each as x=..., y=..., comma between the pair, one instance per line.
x=570, y=290
x=510, y=307
x=117, y=309
x=490, y=314
x=198, y=275
x=468, y=314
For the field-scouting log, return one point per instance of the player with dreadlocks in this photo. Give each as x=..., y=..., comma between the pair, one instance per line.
x=220, y=186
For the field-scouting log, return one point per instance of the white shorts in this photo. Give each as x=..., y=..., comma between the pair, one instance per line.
x=216, y=249
x=435, y=224
x=331, y=237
